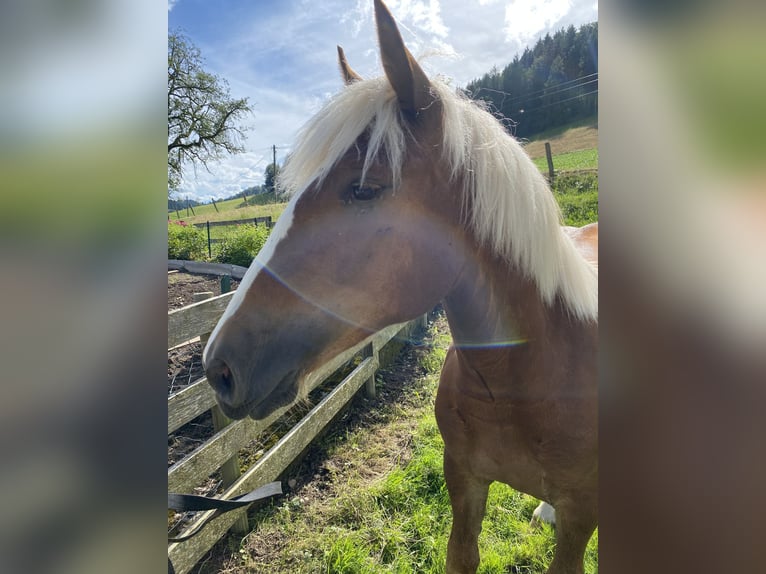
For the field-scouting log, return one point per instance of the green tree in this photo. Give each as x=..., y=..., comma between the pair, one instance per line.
x=269, y=178
x=552, y=83
x=203, y=119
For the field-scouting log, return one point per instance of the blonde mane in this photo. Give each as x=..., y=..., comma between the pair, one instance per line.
x=510, y=206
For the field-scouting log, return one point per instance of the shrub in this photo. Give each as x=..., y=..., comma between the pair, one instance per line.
x=186, y=242
x=241, y=245
x=577, y=195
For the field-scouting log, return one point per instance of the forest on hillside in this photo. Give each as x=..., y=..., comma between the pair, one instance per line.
x=552, y=84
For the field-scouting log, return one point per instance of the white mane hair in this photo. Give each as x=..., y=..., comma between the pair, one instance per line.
x=507, y=200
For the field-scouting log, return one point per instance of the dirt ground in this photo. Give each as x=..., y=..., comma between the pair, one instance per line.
x=185, y=363
x=185, y=367
x=181, y=287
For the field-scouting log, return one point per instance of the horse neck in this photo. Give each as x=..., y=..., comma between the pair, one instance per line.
x=492, y=303
x=500, y=325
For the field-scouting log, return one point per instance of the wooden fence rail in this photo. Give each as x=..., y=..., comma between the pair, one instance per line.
x=199, y=319
x=266, y=220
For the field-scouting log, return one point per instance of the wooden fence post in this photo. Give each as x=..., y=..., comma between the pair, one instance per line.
x=230, y=471
x=369, y=385
x=549, y=157
x=225, y=284
x=209, y=249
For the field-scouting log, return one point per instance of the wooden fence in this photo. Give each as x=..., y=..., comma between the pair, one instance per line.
x=265, y=220
x=220, y=452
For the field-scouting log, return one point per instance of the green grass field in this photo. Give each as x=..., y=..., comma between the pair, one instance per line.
x=582, y=159
x=577, y=196
x=231, y=209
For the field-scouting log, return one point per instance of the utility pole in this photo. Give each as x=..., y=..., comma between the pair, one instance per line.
x=274, y=150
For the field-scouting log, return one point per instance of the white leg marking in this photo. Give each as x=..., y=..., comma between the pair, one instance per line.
x=544, y=513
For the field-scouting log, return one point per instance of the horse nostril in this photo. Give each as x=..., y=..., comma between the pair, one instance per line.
x=220, y=378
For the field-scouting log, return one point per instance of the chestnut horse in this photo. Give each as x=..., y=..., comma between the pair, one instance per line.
x=403, y=194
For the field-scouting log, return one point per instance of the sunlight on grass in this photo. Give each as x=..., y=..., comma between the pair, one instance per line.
x=228, y=210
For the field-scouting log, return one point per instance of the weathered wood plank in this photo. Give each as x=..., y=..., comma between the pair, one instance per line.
x=185, y=555
x=195, y=399
x=188, y=472
x=377, y=339
x=188, y=403
x=197, y=319
x=230, y=470
x=210, y=455
x=208, y=268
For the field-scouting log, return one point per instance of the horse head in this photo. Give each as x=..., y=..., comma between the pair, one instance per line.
x=368, y=239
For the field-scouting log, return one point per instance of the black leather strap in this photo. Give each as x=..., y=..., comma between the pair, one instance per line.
x=193, y=502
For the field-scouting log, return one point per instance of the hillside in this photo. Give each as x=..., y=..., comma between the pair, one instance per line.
x=573, y=139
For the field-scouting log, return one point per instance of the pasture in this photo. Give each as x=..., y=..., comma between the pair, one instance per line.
x=565, y=139
x=570, y=161
x=232, y=209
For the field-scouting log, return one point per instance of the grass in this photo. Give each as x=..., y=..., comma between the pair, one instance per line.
x=577, y=196
x=385, y=508
x=273, y=210
x=206, y=209
x=232, y=209
x=573, y=160
x=577, y=191
x=565, y=131
x=565, y=139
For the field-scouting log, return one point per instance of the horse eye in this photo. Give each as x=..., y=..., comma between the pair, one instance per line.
x=364, y=192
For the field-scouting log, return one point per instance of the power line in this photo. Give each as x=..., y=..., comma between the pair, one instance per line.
x=557, y=91
x=542, y=91
x=560, y=101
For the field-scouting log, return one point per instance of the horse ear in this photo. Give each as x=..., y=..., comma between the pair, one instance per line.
x=407, y=78
x=348, y=74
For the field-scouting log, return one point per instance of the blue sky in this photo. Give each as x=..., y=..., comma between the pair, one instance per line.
x=282, y=56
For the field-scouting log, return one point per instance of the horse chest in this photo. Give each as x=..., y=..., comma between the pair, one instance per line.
x=486, y=438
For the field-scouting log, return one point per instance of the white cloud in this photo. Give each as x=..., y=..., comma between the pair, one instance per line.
x=172, y=4
x=67, y=77
x=525, y=19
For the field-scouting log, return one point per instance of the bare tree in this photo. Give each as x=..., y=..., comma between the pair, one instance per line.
x=202, y=116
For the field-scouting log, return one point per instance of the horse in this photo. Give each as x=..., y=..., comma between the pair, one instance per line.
x=405, y=193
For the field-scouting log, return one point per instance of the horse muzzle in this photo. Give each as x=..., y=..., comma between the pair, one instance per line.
x=239, y=396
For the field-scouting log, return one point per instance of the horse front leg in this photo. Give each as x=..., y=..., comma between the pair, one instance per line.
x=468, y=497
x=575, y=523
